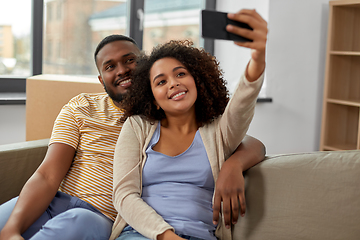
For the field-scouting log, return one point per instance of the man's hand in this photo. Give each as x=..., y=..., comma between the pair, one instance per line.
x=230, y=189
x=230, y=185
x=10, y=236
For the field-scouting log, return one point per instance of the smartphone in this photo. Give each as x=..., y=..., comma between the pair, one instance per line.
x=213, y=25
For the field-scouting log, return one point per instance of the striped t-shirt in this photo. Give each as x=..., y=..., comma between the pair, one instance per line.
x=90, y=123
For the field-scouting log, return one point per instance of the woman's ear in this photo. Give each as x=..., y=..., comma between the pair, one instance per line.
x=157, y=105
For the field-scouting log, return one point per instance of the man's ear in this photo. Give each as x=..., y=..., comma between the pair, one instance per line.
x=101, y=80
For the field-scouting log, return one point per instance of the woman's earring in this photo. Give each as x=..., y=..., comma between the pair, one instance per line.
x=157, y=107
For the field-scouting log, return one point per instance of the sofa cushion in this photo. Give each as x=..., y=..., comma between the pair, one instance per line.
x=303, y=196
x=18, y=162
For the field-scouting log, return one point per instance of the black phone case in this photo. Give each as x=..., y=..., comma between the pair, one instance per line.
x=214, y=26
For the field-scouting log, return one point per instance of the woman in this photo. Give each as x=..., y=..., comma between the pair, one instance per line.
x=179, y=130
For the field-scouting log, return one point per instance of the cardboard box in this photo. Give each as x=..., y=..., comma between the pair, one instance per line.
x=47, y=94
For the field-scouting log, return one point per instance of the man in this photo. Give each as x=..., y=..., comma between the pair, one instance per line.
x=79, y=162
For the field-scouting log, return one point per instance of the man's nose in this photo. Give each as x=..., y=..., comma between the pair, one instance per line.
x=122, y=69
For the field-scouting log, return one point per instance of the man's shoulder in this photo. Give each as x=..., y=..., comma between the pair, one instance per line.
x=84, y=99
x=90, y=96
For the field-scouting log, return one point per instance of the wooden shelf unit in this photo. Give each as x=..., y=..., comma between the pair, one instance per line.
x=341, y=106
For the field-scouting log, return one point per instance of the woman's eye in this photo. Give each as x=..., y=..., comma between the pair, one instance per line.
x=180, y=74
x=161, y=82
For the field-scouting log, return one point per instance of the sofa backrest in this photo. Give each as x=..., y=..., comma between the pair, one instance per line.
x=303, y=196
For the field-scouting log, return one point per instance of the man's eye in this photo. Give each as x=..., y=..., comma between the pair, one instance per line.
x=108, y=67
x=130, y=60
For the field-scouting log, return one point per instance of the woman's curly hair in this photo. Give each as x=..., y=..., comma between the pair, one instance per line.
x=212, y=94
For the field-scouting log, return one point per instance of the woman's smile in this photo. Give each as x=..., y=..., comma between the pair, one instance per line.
x=178, y=95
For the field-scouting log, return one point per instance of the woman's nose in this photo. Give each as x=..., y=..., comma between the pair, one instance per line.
x=174, y=83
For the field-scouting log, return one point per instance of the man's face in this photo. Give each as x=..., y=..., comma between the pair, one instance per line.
x=115, y=61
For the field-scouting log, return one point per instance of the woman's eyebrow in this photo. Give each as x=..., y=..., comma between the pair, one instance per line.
x=157, y=76
x=161, y=74
x=176, y=68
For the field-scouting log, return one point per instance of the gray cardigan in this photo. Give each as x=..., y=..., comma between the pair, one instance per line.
x=221, y=138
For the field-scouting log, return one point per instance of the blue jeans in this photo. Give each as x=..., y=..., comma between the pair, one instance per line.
x=131, y=234
x=66, y=217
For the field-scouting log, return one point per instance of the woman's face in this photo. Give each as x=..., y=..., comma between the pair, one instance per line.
x=173, y=87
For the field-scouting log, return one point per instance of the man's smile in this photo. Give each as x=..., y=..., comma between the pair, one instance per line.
x=123, y=82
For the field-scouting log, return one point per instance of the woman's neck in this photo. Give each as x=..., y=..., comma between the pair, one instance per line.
x=180, y=124
x=176, y=135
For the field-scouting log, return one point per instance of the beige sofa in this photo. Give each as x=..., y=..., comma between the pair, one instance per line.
x=291, y=196
x=17, y=162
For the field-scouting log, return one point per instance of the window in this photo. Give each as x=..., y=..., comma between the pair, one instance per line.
x=58, y=11
x=48, y=49
x=70, y=38
x=49, y=11
x=176, y=19
x=81, y=28
x=15, y=38
x=59, y=47
x=65, y=33
x=15, y=48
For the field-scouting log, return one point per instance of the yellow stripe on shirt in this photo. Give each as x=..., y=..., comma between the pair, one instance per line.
x=90, y=123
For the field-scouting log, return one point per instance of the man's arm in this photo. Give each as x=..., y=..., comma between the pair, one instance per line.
x=39, y=190
x=230, y=185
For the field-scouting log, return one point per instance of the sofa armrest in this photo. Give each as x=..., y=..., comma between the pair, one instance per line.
x=18, y=162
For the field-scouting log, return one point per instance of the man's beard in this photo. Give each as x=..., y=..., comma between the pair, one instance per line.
x=117, y=97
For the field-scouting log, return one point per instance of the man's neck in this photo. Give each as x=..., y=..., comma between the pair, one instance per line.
x=118, y=104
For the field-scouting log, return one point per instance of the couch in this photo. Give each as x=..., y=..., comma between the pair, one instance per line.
x=290, y=196
x=17, y=163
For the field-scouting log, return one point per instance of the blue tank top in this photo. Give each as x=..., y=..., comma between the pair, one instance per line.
x=180, y=188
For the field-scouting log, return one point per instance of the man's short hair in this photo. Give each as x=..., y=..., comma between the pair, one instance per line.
x=112, y=38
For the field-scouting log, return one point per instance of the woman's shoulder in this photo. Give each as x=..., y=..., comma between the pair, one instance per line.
x=140, y=120
x=140, y=125
x=212, y=126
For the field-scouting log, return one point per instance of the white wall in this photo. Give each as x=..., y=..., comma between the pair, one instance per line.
x=12, y=123
x=295, y=71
